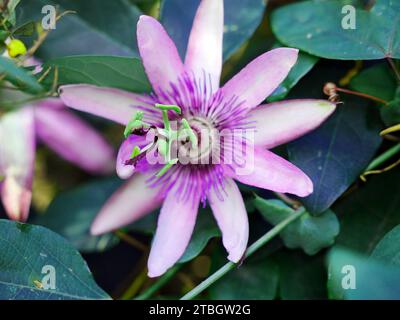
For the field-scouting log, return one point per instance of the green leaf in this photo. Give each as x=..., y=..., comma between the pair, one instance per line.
x=308, y=233
x=26, y=29
x=368, y=214
x=254, y=280
x=301, y=277
x=388, y=249
x=335, y=154
x=19, y=76
x=316, y=27
x=107, y=71
x=71, y=214
x=304, y=64
x=242, y=18
x=204, y=231
x=379, y=81
x=373, y=280
x=25, y=249
x=97, y=27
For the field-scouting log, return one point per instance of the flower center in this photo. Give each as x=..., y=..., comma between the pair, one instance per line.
x=207, y=138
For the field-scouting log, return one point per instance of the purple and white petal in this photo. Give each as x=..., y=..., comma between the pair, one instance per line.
x=204, y=53
x=129, y=203
x=174, y=230
x=160, y=57
x=124, y=170
x=230, y=213
x=112, y=104
x=255, y=82
x=266, y=170
x=284, y=121
x=73, y=139
x=17, y=157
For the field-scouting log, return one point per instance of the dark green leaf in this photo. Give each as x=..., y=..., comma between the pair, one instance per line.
x=316, y=27
x=98, y=27
x=335, y=154
x=107, y=71
x=373, y=280
x=18, y=76
x=379, y=81
x=304, y=64
x=254, y=280
x=25, y=250
x=301, y=277
x=308, y=233
x=368, y=214
x=242, y=17
x=388, y=249
x=27, y=29
x=71, y=214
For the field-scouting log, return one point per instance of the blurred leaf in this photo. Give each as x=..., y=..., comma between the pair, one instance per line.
x=373, y=280
x=98, y=27
x=71, y=213
x=242, y=18
x=253, y=280
x=205, y=229
x=369, y=213
x=388, y=249
x=375, y=35
x=288, y=275
x=304, y=64
x=19, y=77
x=301, y=277
x=379, y=81
x=26, y=29
x=25, y=250
x=308, y=233
x=107, y=71
x=335, y=154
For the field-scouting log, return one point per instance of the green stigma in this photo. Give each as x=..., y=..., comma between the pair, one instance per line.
x=164, y=143
x=135, y=124
x=135, y=152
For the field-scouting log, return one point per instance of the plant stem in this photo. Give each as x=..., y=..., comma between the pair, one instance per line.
x=363, y=95
x=252, y=249
x=130, y=240
x=159, y=283
x=383, y=157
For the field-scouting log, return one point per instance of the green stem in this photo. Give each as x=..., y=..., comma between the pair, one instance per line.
x=252, y=249
x=163, y=280
x=383, y=157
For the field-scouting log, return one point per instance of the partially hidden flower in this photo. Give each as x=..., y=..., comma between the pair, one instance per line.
x=50, y=122
x=194, y=87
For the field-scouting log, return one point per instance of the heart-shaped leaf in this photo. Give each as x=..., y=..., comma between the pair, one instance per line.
x=37, y=264
x=335, y=154
x=308, y=233
x=242, y=18
x=320, y=28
